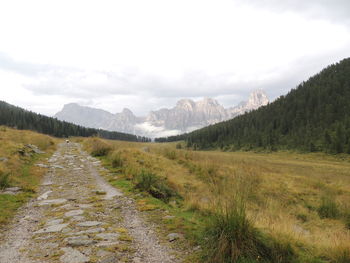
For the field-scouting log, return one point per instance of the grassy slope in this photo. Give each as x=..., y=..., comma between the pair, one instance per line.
x=285, y=191
x=21, y=169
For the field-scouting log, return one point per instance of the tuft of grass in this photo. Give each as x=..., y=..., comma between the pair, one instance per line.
x=328, y=208
x=100, y=148
x=230, y=236
x=154, y=185
x=117, y=161
x=9, y=204
x=4, y=180
x=170, y=154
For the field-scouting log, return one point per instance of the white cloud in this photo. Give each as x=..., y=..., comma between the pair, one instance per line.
x=146, y=54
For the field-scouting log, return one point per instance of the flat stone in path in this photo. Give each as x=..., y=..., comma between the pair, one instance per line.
x=53, y=202
x=44, y=196
x=54, y=222
x=89, y=231
x=89, y=223
x=74, y=213
x=51, y=229
x=78, y=218
x=73, y=256
x=109, y=259
x=79, y=241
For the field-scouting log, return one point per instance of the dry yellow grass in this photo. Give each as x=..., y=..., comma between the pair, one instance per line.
x=284, y=189
x=20, y=168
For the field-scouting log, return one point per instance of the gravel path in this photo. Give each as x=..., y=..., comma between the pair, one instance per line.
x=78, y=218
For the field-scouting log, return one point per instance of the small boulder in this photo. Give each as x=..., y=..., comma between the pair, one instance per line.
x=173, y=236
x=3, y=159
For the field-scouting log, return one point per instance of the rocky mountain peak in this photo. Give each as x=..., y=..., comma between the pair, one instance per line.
x=186, y=116
x=127, y=111
x=257, y=98
x=208, y=102
x=185, y=104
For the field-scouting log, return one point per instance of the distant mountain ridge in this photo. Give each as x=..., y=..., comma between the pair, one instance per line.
x=315, y=116
x=22, y=119
x=186, y=116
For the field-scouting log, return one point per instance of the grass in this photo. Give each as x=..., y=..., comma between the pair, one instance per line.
x=9, y=205
x=19, y=170
x=328, y=208
x=4, y=180
x=295, y=203
x=154, y=185
x=99, y=147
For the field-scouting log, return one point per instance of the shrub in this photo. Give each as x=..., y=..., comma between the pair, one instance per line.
x=170, y=154
x=4, y=180
x=117, y=160
x=346, y=217
x=100, y=148
x=302, y=217
x=328, y=208
x=229, y=236
x=178, y=146
x=154, y=185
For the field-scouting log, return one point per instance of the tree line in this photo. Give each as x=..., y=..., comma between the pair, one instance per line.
x=315, y=116
x=22, y=119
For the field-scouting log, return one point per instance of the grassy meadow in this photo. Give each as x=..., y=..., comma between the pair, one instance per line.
x=19, y=170
x=239, y=206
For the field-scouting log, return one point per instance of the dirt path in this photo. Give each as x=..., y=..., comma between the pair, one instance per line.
x=79, y=218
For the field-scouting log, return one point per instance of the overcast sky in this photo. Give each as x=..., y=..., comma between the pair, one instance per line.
x=145, y=55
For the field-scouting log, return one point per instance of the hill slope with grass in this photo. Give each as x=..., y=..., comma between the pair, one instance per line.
x=313, y=117
x=19, y=118
x=19, y=151
x=242, y=207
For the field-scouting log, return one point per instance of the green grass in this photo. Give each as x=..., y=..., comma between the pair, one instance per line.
x=4, y=180
x=20, y=171
x=328, y=208
x=155, y=186
x=9, y=205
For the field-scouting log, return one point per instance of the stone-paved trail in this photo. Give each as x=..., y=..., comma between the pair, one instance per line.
x=78, y=218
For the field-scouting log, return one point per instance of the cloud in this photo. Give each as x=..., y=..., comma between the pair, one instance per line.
x=334, y=10
x=148, y=57
x=25, y=68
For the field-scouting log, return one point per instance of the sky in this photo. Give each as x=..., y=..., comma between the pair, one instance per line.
x=145, y=55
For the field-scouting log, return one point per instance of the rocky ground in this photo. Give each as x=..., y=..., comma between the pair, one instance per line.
x=78, y=218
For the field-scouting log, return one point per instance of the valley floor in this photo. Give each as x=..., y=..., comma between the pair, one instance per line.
x=78, y=218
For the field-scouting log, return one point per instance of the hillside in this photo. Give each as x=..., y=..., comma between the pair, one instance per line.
x=275, y=207
x=19, y=118
x=313, y=117
x=18, y=152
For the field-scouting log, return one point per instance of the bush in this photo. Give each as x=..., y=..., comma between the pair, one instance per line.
x=154, y=185
x=178, y=146
x=117, y=160
x=4, y=180
x=229, y=236
x=328, y=208
x=170, y=154
x=100, y=148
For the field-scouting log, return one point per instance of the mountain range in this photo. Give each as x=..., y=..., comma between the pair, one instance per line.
x=186, y=116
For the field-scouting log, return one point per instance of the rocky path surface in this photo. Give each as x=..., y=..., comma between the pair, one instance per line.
x=78, y=218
